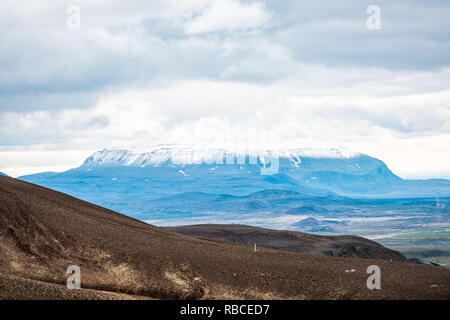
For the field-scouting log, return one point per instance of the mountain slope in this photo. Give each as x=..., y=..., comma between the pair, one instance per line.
x=42, y=232
x=315, y=171
x=112, y=177
x=338, y=246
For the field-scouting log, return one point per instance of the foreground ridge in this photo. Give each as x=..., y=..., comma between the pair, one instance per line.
x=42, y=232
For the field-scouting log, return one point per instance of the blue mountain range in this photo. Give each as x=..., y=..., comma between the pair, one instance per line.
x=167, y=170
x=169, y=180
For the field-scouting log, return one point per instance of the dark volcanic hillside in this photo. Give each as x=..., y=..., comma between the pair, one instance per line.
x=42, y=232
x=337, y=246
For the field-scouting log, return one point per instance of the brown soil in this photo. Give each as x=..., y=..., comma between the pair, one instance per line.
x=42, y=232
x=334, y=246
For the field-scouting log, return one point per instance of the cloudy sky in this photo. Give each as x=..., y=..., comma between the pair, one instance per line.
x=145, y=72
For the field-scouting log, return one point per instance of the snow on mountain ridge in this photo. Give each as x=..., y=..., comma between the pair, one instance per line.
x=160, y=155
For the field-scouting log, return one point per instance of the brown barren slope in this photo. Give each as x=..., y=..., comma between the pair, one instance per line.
x=42, y=232
x=336, y=246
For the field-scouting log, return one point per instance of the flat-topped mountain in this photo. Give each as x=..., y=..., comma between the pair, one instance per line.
x=214, y=170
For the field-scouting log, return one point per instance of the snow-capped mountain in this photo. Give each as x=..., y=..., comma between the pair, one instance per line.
x=174, y=155
x=335, y=170
x=130, y=181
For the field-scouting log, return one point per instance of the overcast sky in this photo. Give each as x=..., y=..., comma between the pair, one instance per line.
x=145, y=72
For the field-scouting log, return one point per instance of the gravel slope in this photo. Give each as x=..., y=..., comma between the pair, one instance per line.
x=335, y=246
x=42, y=232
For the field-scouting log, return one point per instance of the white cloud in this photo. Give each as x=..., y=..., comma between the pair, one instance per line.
x=18, y=162
x=228, y=15
x=159, y=71
x=408, y=129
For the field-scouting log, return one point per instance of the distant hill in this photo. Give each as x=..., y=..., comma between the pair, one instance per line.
x=42, y=232
x=337, y=246
x=313, y=225
x=2, y=174
x=306, y=209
